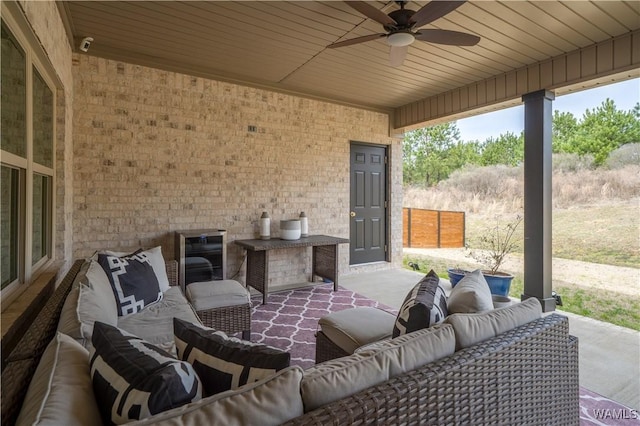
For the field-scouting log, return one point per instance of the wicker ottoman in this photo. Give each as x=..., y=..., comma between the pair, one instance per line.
x=224, y=305
x=342, y=332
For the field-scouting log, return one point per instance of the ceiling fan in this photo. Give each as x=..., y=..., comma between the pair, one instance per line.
x=402, y=27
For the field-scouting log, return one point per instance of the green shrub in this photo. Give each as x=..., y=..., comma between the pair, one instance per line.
x=571, y=163
x=497, y=180
x=626, y=155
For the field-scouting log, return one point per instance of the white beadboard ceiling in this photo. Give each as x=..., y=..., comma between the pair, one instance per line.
x=282, y=45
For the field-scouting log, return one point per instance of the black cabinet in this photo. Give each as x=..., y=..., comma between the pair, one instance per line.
x=201, y=255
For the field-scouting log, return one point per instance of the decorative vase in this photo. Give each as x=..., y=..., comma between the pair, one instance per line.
x=265, y=226
x=304, y=225
x=290, y=229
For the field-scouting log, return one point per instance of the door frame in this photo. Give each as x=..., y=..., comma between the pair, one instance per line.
x=387, y=189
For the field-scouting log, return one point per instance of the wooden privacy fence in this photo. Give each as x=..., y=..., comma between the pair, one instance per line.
x=432, y=228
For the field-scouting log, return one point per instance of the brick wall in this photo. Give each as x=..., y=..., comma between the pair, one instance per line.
x=156, y=151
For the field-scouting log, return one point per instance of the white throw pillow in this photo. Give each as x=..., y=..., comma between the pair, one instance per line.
x=471, y=294
x=96, y=301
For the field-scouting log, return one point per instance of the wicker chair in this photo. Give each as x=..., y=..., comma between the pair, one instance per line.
x=528, y=375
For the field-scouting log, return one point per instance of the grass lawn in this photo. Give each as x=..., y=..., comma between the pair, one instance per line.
x=606, y=234
x=600, y=234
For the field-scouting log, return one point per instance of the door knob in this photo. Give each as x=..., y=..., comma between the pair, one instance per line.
x=353, y=214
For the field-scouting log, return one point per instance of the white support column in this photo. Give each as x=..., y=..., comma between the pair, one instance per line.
x=538, y=115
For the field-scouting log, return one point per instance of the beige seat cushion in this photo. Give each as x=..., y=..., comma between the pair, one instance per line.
x=416, y=349
x=373, y=364
x=217, y=294
x=270, y=401
x=352, y=328
x=475, y=328
x=338, y=378
x=61, y=392
x=155, y=322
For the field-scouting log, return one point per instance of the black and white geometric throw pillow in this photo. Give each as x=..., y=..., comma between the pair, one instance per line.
x=223, y=362
x=424, y=306
x=133, y=281
x=132, y=379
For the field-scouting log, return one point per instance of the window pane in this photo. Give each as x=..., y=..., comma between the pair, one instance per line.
x=14, y=96
x=9, y=185
x=41, y=216
x=42, y=121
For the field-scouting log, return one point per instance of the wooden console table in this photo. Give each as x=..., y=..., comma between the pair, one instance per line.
x=324, y=259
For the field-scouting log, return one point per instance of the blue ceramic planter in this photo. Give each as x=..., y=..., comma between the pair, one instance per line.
x=455, y=275
x=498, y=284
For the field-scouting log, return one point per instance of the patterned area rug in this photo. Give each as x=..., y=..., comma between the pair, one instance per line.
x=290, y=319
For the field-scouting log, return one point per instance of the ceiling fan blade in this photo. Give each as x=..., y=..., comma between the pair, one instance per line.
x=397, y=54
x=453, y=38
x=371, y=12
x=432, y=11
x=356, y=40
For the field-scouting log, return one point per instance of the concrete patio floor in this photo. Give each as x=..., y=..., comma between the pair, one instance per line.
x=609, y=355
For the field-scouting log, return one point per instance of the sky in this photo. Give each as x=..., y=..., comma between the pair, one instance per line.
x=481, y=127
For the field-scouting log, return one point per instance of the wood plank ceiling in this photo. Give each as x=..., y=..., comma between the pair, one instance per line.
x=282, y=45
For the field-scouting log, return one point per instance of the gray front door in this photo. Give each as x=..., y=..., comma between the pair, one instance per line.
x=368, y=230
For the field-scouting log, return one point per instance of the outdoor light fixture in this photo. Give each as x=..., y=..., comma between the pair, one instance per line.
x=400, y=39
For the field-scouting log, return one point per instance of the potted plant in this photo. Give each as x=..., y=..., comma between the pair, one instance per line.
x=493, y=247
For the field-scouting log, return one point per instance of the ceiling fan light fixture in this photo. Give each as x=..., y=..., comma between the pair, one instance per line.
x=400, y=39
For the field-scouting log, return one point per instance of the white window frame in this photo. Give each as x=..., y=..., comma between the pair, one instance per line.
x=27, y=272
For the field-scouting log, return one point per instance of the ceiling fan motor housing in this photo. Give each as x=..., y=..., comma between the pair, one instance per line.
x=403, y=19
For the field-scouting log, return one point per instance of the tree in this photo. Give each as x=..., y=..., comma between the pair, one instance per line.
x=461, y=154
x=603, y=130
x=431, y=154
x=565, y=126
x=426, y=152
x=506, y=149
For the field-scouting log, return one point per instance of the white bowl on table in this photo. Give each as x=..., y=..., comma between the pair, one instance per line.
x=290, y=229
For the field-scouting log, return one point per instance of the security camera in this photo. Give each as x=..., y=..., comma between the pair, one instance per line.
x=85, y=43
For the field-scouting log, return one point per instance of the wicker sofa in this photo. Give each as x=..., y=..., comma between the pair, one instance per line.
x=528, y=375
